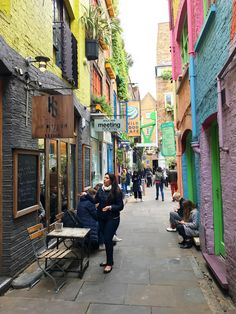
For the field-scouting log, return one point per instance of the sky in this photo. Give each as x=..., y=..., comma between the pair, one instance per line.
x=139, y=20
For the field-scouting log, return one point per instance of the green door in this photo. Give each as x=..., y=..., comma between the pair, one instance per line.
x=216, y=192
x=190, y=169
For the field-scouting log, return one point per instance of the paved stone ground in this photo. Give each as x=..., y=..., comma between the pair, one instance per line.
x=151, y=274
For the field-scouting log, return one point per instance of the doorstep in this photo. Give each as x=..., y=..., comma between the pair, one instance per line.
x=217, y=266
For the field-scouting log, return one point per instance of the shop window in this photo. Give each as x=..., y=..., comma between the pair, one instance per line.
x=63, y=176
x=53, y=168
x=184, y=44
x=72, y=177
x=64, y=43
x=97, y=83
x=107, y=93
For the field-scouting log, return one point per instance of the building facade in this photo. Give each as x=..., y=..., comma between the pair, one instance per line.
x=210, y=42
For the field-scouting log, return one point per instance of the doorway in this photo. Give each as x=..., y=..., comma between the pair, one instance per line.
x=216, y=191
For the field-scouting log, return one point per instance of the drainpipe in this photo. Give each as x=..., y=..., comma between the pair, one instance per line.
x=195, y=144
x=219, y=117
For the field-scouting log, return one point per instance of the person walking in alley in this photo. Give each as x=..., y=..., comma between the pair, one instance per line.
x=123, y=178
x=172, y=179
x=177, y=214
x=189, y=226
x=159, y=182
x=110, y=202
x=136, y=179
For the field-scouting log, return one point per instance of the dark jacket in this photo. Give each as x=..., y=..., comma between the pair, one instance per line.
x=172, y=176
x=87, y=216
x=103, y=198
x=136, y=183
x=180, y=210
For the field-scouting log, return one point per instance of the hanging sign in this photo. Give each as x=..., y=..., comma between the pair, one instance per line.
x=52, y=116
x=113, y=125
x=168, y=139
x=133, y=118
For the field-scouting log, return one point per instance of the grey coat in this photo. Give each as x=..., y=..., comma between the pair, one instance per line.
x=191, y=228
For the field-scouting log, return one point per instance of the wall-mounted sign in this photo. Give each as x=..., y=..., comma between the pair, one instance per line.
x=168, y=139
x=113, y=125
x=52, y=116
x=133, y=118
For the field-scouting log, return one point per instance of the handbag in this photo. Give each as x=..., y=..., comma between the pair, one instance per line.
x=141, y=188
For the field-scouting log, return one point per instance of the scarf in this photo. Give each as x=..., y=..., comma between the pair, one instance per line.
x=106, y=188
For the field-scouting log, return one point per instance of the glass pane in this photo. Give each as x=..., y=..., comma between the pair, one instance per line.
x=53, y=180
x=72, y=176
x=63, y=176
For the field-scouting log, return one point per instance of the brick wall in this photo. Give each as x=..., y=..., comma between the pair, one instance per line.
x=228, y=177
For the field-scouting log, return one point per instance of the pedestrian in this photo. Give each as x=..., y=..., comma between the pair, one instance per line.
x=177, y=214
x=189, y=226
x=172, y=179
x=149, y=176
x=159, y=181
x=87, y=216
x=136, y=179
x=123, y=178
x=110, y=202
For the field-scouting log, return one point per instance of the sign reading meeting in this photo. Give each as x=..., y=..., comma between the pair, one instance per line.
x=113, y=125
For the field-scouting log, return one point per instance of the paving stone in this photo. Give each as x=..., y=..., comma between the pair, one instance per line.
x=118, y=309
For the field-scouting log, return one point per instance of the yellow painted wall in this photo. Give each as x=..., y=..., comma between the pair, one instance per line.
x=27, y=28
x=176, y=4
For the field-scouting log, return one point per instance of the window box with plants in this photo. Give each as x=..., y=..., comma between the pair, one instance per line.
x=99, y=104
x=97, y=29
x=110, y=70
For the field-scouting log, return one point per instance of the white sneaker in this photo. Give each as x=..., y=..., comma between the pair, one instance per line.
x=171, y=229
x=101, y=247
x=116, y=239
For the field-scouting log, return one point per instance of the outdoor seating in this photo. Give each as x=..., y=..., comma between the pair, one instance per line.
x=47, y=259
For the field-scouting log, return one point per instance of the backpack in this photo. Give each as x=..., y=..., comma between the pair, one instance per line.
x=159, y=176
x=70, y=220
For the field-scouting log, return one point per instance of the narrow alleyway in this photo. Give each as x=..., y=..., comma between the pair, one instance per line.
x=151, y=274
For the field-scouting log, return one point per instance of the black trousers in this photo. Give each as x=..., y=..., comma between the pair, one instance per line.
x=181, y=231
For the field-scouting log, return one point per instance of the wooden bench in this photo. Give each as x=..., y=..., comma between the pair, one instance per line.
x=47, y=259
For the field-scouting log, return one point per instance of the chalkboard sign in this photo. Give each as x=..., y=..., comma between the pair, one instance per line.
x=86, y=166
x=26, y=182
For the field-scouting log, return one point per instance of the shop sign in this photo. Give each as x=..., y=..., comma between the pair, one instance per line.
x=52, y=116
x=168, y=139
x=133, y=118
x=113, y=125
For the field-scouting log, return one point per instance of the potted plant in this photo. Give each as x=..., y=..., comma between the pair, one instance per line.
x=96, y=27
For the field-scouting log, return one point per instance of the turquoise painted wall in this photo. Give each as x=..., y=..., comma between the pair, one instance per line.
x=210, y=59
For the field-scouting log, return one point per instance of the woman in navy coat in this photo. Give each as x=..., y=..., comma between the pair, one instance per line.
x=87, y=216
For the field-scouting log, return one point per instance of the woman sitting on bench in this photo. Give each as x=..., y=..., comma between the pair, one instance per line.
x=188, y=227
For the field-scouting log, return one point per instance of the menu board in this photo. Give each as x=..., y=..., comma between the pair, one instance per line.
x=86, y=166
x=26, y=182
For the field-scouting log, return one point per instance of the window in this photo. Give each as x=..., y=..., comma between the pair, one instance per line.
x=64, y=43
x=107, y=93
x=184, y=43
x=168, y=100
x=97, y=83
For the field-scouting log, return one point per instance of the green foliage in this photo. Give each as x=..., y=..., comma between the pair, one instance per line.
x=97, y=25
x=104, y=105
x=171, y=161
x=120, y=156
x=166, y=75
x=121, y=61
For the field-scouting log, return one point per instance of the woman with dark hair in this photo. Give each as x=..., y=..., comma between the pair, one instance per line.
x=188, y=227
x=136, y=179
x=110, y=202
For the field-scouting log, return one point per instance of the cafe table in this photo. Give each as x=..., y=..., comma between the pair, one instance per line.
x=79, y=244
